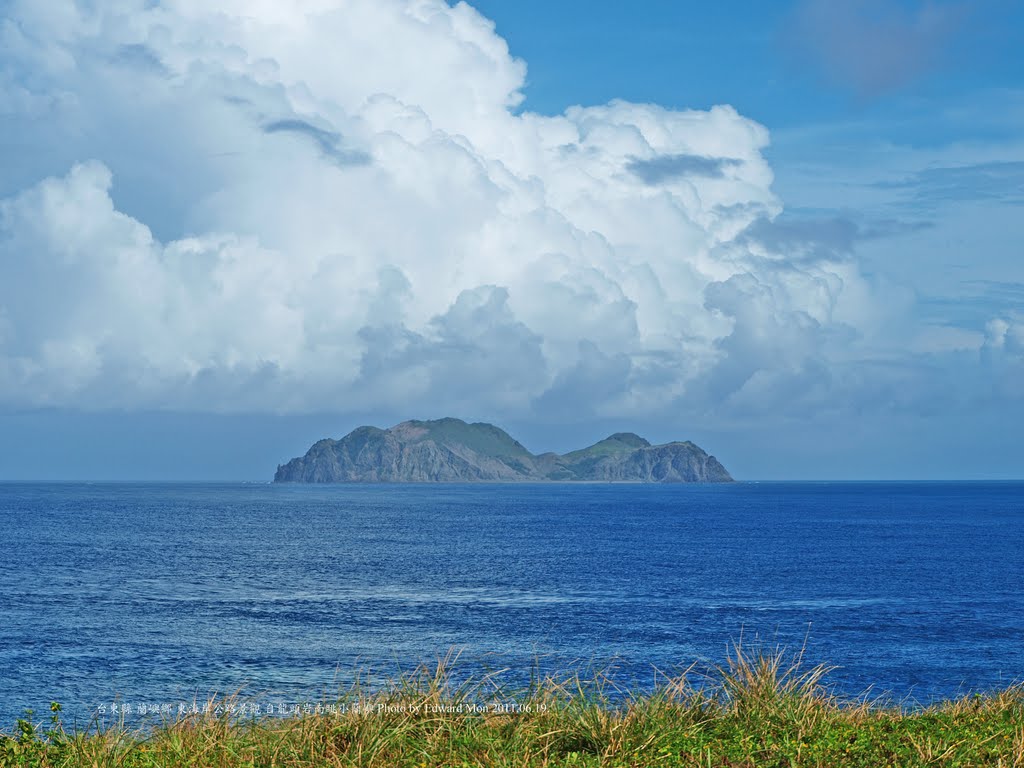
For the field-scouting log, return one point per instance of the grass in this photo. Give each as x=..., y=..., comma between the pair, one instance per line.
x=761, y=709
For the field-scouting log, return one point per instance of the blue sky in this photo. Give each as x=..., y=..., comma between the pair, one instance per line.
x=788, y=231
x=770, y=60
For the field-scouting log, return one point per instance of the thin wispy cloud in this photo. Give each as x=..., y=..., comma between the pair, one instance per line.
x=996, y=182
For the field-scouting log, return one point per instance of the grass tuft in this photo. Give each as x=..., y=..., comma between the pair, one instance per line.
x=762, y=708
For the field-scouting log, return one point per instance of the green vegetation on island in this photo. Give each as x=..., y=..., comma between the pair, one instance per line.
x=759, y=710
x=450, y=450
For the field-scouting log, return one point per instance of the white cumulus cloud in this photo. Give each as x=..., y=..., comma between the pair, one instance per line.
x=335, y=204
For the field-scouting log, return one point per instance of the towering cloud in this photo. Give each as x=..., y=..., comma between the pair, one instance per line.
x=331, y=204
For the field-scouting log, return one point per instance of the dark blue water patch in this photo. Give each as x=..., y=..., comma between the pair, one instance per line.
x=167, y=593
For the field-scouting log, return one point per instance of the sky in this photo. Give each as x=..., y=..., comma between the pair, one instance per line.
x=790, y=232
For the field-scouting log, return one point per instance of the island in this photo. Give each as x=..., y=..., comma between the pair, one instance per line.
x=451, y=450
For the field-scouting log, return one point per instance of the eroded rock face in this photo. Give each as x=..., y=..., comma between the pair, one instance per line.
x=671, y=463
x=450, y=450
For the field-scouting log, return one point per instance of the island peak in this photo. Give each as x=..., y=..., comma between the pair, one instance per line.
x=453, y=450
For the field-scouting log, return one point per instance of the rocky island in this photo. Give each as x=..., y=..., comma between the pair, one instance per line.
x=450, y=450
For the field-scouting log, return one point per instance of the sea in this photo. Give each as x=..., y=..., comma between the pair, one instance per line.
x=142, y=598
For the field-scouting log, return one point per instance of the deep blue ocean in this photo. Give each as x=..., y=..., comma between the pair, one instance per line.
x=158, y=594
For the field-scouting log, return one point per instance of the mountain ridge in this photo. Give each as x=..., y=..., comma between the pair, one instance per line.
x=452, y=450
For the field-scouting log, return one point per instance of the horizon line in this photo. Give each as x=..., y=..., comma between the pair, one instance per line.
x=261, y=481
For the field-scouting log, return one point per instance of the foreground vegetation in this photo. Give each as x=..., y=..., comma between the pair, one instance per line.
x=759, y=710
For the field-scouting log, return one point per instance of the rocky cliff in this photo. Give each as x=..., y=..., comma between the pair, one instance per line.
x=450, y=450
